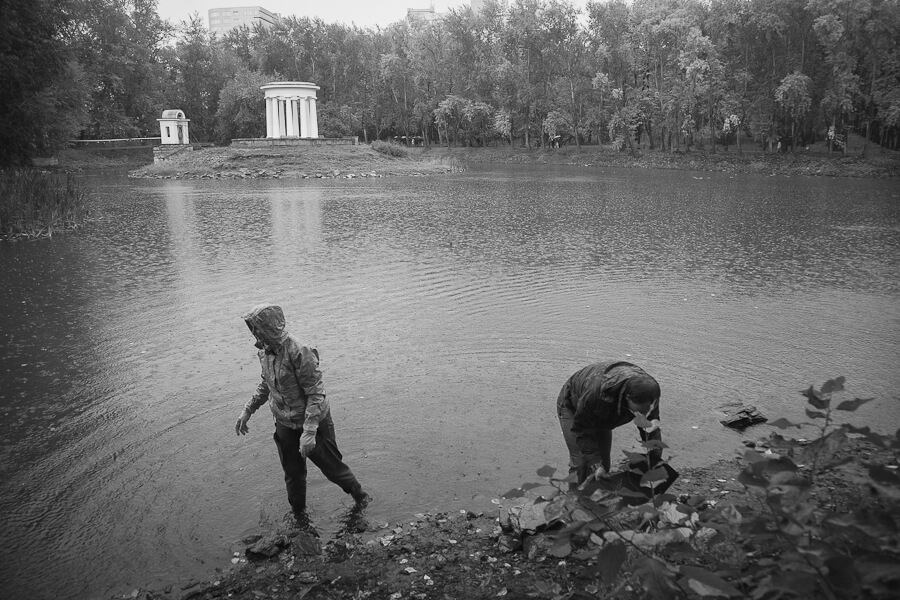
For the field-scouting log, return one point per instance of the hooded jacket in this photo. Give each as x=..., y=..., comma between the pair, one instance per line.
x=291, y=379
x=595, y=396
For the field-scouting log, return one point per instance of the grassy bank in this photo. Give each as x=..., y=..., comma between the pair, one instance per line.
x=814, y=161
x=365, y=161
x=296, y=162
x=35, y=204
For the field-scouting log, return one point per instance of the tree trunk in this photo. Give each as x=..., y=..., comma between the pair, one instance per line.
x=866, y=145
x=574, y=115
x=793, y=127
x=527, y=127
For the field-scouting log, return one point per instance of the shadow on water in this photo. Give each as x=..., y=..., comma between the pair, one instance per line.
x=447, y=311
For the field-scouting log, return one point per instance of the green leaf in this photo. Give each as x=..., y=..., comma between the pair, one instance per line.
x=655, y=475
x=783, y=424
x=586, y=554
x=882, y=441
x=707, y=584
x=787, y=479
x=641, y=421
x=561, y=548
x=654, y=445
x=779, y=464
x=626, y=493
x=752, y=456
x=749, y=478
x=833, y=385
x=852, y=405
x=824, y=448
x=513, y=493
x=547, y=588
x=546, y=471
x=610, y=560
x=669, y=497
x=873, y=569
x=883, y=475
x=815, y=414
x=681, y=550
x=813, y=397
x=776, y=440
x=635, y=458
x=842, y=574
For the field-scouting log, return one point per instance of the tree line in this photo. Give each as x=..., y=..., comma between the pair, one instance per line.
x=675, y=74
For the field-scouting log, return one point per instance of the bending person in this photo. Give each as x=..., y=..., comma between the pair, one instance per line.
x=597, y=399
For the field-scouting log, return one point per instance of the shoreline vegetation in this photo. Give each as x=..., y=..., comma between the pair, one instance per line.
x=788, y=517
x=466, y=555
x=363, y=161
x=37, y=204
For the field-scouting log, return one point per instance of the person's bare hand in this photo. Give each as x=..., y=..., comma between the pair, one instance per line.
x=240, y=428
x=600, y=472
x=654, y=425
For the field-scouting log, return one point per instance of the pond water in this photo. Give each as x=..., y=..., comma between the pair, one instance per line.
x=448, y=311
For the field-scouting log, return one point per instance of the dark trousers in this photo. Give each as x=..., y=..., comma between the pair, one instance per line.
x=326, y=456
x=577, y=461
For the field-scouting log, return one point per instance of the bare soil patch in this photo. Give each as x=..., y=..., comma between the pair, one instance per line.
x=469, y=555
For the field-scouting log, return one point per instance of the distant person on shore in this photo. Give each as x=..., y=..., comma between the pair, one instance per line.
x=596, y=400
x=292, y=384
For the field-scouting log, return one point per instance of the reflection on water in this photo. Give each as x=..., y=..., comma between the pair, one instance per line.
x=448, y=311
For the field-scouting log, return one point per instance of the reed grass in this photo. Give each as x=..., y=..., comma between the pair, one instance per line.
x=390, y=149
x=37, y=204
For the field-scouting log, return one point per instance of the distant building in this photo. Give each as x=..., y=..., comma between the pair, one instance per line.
x=427, y=14
x=173, y=127
x=223, y=20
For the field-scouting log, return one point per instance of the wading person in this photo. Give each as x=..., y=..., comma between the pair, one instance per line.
x=596, y=400
x=292, y=385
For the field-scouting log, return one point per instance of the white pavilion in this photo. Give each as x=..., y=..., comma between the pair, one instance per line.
x=291, y=109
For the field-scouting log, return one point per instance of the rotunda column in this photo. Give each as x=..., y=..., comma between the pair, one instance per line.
x=313, y=119
x=288, y=117
x=304, y=117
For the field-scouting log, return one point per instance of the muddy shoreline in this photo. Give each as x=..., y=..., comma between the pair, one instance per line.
x=361, y=161
x=465, y=554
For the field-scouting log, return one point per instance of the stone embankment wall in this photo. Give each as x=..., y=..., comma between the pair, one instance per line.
x=350, y=140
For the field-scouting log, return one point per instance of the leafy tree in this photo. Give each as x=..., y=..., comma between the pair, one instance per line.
x=199, y=68
x=42, y=90
x=337, y=120
x=793, y=96
x=569, y=50
x=242, y=110
x=119, y=47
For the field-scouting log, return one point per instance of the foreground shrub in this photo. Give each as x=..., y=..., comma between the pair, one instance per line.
x=389, y=149
x=37, y=204
x=793, y=541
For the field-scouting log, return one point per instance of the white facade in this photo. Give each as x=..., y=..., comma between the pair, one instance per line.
x=291, y=109
x=223, y=20
x=173, y=127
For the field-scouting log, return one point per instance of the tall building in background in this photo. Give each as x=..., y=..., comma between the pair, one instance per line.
x=223, y=20
x=427, y=14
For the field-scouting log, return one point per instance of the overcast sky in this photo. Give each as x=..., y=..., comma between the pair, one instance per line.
x=365, y=13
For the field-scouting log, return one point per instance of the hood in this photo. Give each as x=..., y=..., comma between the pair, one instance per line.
x=624, y=377
x=266, y=321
